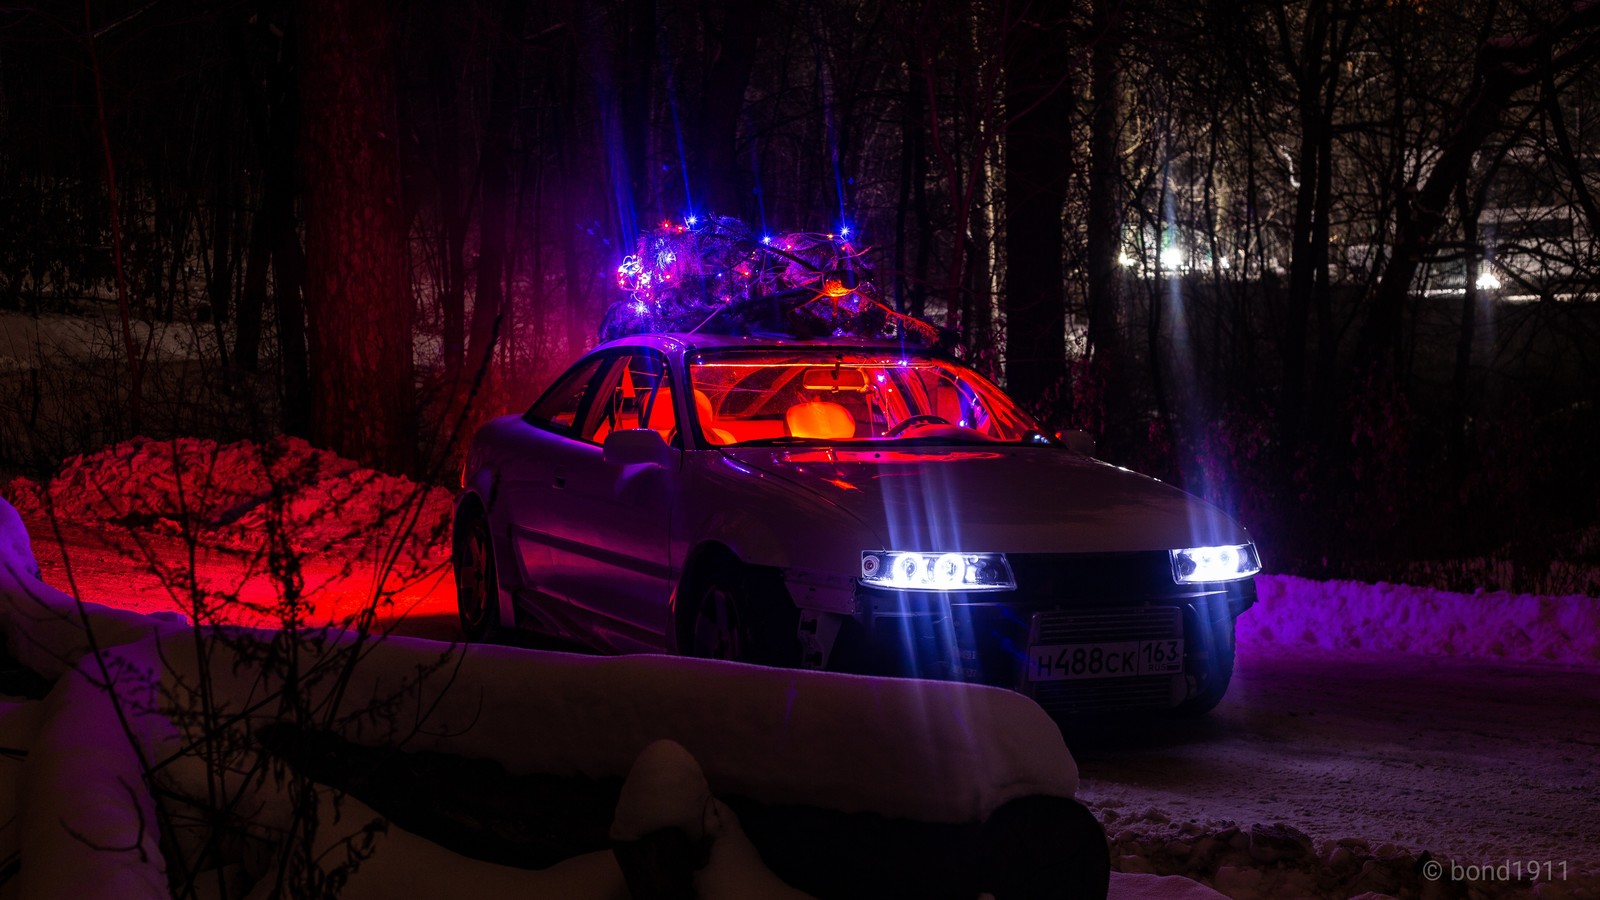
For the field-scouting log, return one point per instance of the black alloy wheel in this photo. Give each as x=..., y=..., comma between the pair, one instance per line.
x=477, y=591
x=743, y=614
x=718, y=629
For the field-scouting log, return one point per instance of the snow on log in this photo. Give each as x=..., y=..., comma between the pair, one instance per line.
x=923, y=750
x=90, y=823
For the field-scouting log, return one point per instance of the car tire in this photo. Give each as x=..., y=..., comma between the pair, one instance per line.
x=1217, y=673
x=743, y=614
x=477, y=584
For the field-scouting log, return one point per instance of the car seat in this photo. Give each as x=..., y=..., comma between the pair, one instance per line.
x=702, y=410
x=821, y=420
x=663, y=418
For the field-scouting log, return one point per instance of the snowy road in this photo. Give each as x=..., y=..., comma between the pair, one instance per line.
x=1466, y=759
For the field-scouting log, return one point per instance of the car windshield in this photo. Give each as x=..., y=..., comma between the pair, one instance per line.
x=826, y=395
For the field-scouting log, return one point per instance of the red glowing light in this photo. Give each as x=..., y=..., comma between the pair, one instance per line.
x=886, y=457
x=835, y=288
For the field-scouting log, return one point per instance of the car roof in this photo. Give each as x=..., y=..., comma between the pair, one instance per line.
x=680, y=341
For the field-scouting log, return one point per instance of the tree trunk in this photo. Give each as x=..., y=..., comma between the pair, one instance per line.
x=496, y=168
x=219, y=286
x=1105, y=182
x=1309, y=72
x=566, y=129
x=451, y=229
x=716, y=178
x=289, y=308
x=639, y=55
x=1038, y=155
x=1461, y=405
x=135, y=356
x=252, y=297
x=916, y=113
x=1105, y=213
x=358, y=294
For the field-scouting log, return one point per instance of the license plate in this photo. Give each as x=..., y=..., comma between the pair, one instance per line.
x=1120, y=659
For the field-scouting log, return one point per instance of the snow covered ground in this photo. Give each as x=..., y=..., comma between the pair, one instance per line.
x=1372, y=730
x=1369, y=760
x=30, y=342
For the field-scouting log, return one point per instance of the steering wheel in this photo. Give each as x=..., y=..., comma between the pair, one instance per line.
x=923, y=419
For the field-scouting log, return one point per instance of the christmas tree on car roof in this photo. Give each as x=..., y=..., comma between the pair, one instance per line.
x=714, y=275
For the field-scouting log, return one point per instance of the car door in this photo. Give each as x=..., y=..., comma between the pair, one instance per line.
x=606, y=524
x=527, y=496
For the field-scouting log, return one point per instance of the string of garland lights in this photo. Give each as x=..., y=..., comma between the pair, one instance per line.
x=715, y=275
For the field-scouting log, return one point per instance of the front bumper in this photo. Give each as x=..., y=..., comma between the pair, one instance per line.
x=1066, y=599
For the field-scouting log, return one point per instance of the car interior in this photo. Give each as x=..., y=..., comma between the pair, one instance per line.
x=783, y=396
x=752, y=398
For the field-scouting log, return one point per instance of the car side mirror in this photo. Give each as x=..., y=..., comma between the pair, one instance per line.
x=1078, y=441
x=635, y=446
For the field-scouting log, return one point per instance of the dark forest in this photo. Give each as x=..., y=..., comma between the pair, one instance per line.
x=1329, y=264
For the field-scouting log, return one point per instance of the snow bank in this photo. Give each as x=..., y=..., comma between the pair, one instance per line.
x=134, y=689
x=1340, y=615
x=236, y=495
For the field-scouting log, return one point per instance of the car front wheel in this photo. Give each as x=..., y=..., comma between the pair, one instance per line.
x=477, y=589
x=1216, y=673
x=743, y=614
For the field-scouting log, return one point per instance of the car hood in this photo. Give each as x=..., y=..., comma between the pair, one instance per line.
x=1003, y=499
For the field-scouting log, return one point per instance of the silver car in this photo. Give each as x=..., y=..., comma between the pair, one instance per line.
x=846, y=504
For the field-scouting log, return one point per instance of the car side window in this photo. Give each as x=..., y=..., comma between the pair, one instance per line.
x=635, y=394
x=560, y=406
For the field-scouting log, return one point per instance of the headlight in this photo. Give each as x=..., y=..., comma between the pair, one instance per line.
x=936, y=571
x=1230, y=563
